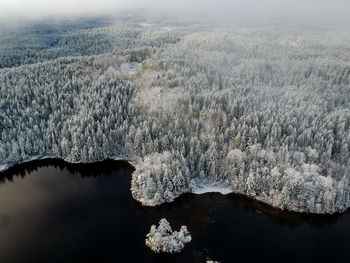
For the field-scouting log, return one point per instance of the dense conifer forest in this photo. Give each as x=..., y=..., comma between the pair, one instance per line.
x=262, y=111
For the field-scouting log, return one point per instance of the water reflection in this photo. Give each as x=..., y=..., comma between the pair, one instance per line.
x=54, y=211
x=103, y=168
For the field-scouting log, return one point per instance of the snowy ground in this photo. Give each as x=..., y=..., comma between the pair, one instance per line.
x=3, y=167
x=212, y=189
x=161, y=98
x=145, y=25
x=130, y=68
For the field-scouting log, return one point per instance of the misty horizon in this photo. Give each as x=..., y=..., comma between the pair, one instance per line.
x=310, y=12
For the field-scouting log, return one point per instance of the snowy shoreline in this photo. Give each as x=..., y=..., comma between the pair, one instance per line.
x=197, y=188
x=5, y=167
x=224, y=190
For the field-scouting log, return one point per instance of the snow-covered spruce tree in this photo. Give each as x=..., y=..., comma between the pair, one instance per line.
x=160, y=178
x=163, y=239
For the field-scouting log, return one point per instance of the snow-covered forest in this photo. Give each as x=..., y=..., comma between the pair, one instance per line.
x=262, y=111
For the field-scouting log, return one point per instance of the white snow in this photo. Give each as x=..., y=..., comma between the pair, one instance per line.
x=119, y=158
x=161, y=98
x=202, y=189
x=34, y=157
x=169, y=28
x=3, y=167
x=130, y=68
x=145, y=25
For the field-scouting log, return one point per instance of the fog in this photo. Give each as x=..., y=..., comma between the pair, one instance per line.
x=315, y=11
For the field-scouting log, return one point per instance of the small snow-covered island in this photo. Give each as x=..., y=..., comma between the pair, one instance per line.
x=163, y=239
x=258, y=111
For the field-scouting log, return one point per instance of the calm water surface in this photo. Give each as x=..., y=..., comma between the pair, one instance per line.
x=51, y=211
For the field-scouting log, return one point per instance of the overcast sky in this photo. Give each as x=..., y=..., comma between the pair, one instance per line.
x=326, y=11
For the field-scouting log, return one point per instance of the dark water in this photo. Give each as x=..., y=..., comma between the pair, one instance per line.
x=51, y=211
